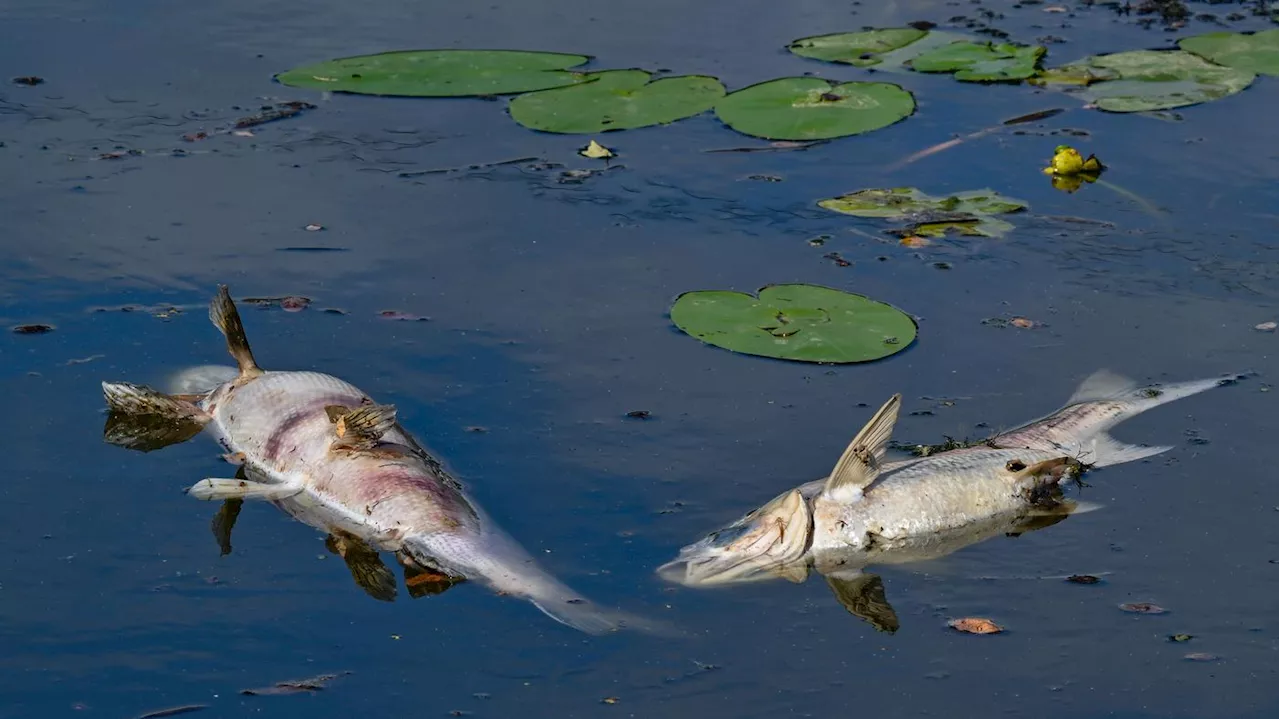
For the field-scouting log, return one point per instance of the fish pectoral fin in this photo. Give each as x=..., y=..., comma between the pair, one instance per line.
x=213, y=488
x=862, y=596
x=862, y=459
x=366, y=567
x=363, y=426
x=224, y=315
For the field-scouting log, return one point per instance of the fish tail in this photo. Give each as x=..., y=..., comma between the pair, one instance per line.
x=1124, y=399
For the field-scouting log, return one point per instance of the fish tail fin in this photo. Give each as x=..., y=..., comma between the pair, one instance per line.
x=224, y=316
x=1125, y=400
x=570, y=609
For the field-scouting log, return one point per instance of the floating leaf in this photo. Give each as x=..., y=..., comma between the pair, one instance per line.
x=1146, y=80
x=808, y=108
x=975, y=625
x=1253, y=52
x=440, y=73
x=902, y=202
x=862, y=49
x=616, y=100
x=981, y=61
x=806, y=323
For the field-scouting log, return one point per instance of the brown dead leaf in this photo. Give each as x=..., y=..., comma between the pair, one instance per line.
x=914, y=241
x=1022, y=323
x=610, y=700
x=975, y=625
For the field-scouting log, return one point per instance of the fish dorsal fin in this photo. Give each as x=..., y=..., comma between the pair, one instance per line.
x=861, y=461
x=363, y=426
x=1103, y=384
x=224, y=316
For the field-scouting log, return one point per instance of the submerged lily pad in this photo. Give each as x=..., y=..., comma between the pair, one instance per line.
x=805, y=323
x=616, y=100
x=981, y=61
x=809, y=108
x=1146, y=80
x=862, y=49
x=969, y=213
x=902, y=202
x=440, y=73
x=1252, y=52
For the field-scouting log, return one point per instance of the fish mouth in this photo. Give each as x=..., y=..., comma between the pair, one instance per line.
x=766, y=544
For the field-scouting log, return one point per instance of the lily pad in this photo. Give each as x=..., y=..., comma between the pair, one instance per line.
x=1159, y=80
x=861, y=49
x=1253, y=52
x=968, y=213
x=440, y=73
x=805, y=323
x=809, y=108
x=903, y=202
x=981, y=61
x=616, y=100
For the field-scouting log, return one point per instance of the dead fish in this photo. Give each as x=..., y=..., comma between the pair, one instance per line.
x=868, y=511
x=316, y=445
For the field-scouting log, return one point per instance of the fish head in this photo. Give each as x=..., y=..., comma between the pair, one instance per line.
x=765, y=543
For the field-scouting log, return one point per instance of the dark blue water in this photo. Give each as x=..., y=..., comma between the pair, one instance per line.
x=548, y=324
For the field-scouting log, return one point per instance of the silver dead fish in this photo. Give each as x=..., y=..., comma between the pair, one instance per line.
x=871, y=512
x=325, y=452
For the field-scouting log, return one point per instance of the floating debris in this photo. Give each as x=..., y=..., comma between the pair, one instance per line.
x=1265, y=327
x=1181, y=637
x=313, y=227
x=402, y=316
x=28, y=80
x=596, y=151
x=271, y=113
x=836, y=258
x=975, y=625
x=610, y=700
x=34, y=329
x=1201, y=657
x=1083, y=579
x=1143, y=608
x=314, y=684
x=639, y=414
x=174, y=711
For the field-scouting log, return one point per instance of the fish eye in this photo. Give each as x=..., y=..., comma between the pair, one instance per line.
x=1015, y=465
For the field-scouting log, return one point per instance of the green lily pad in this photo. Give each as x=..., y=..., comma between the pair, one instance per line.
x=862, y=49
x=1159, y=80
x=902, y=202
x=981, y=61
x=440, y=73
x=805, y=323
x=1253, y=52
x=616, y=100
x=809, y=108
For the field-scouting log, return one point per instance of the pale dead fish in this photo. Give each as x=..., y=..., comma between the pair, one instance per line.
x=870, y=512
x=319, y=447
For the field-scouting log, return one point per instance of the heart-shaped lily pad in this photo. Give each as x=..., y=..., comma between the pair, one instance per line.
x=616, y=100
x=806, y=323
x=809, y=108
x=1252, y=52
x=862, y=49
x=1145, y=80
x=440, y=73
x=981, y=61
